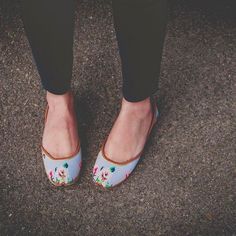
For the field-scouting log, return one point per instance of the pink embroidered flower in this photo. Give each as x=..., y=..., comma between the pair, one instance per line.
x=106, y=173
x=50, y=174
x=62, y=174
x=95, y=169
x=80, y=165
x=127, y=175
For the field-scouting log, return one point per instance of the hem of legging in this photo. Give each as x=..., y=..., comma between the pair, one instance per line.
x=56, y=91
x=139, y=98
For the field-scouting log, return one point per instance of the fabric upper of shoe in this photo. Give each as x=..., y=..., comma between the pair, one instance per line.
x=62, y=171
x=108, y=174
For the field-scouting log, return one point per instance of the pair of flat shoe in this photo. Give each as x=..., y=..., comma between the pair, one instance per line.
x=106, y=172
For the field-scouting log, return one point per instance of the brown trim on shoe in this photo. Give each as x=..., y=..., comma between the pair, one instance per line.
x=153, y=121
x=63, y=158
x=46, y=113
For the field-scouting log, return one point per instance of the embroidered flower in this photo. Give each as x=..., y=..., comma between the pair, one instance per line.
x=50, y=174
x=80, y=164
x=62, y=175
x=104, y=176
x=95, y=169
x=127, y=175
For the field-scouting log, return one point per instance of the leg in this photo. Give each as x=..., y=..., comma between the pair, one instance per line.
x=140, y=29
x=49, y=25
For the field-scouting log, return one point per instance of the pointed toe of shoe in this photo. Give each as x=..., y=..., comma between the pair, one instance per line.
x=63, y=171
x=107, y=173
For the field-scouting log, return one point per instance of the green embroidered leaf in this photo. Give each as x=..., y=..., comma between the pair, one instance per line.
x=69, y=180
x=65, y=165
x=112, y=169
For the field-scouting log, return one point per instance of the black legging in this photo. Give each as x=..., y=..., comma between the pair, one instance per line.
x=140, y=29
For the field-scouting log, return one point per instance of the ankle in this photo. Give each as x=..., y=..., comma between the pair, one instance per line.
x=141, y=108
x=60, y=102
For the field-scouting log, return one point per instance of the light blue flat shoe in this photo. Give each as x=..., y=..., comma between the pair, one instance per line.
x=108, y=173
x=62, y=171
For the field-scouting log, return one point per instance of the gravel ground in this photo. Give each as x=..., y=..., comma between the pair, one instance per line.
x=184, y=185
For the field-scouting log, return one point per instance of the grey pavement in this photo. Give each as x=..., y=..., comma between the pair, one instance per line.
x=186, y=182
